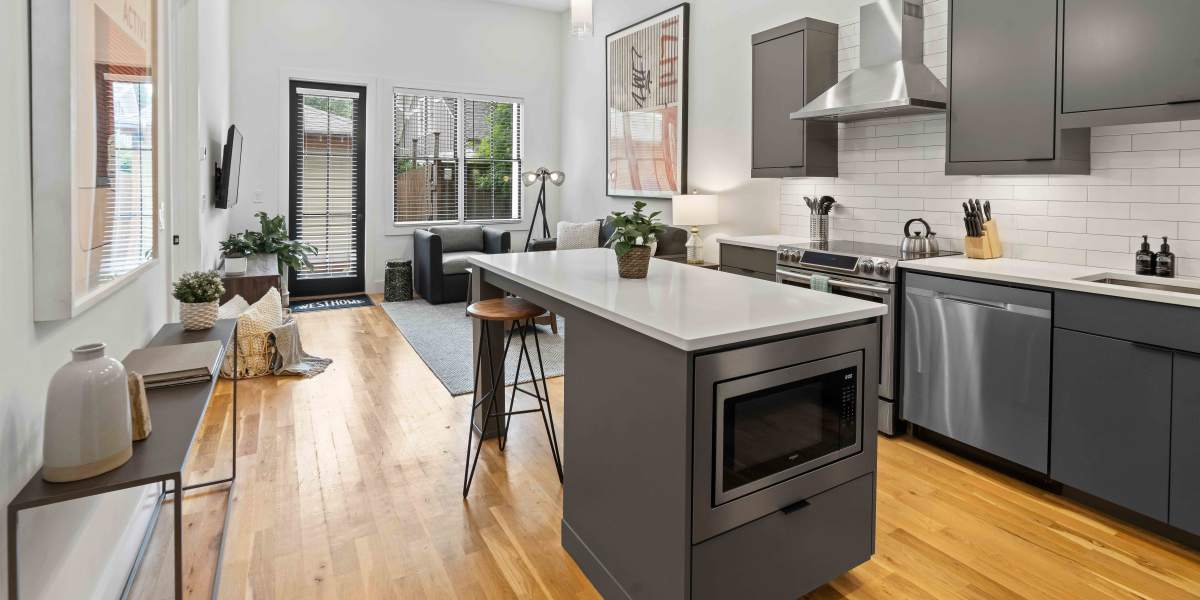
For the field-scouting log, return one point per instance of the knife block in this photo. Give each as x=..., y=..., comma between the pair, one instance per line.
x=985, y=246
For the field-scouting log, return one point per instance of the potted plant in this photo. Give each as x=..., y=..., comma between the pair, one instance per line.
x=272, y=238
x=236, y=251
x=198, y=293
x=635, y=234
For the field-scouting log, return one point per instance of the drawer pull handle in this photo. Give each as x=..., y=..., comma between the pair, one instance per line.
x=793, y=507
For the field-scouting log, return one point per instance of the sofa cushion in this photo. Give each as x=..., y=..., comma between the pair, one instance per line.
x=573, y=236
x=454, y=263
x=457, y=238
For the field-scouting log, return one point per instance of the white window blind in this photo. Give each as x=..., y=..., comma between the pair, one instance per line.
x=327, y=147
x=456, y=158
x=125, y=208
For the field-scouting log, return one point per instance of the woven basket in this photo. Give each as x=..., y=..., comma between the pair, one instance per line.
x=635, y=263
x=198, y=315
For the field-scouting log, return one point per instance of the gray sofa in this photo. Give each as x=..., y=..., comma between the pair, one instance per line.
x=671, y=243
x=440, y=258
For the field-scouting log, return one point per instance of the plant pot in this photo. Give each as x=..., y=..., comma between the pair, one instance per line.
x=635, y=263
x=236, y=265
x=87, y=427
x=198, y=315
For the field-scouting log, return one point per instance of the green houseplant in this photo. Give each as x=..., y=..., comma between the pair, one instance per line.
x=235, y=251
x=635, y=233
x=198, y=293
x=272, y=238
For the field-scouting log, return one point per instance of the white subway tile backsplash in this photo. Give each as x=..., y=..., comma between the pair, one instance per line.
x=1145, y=179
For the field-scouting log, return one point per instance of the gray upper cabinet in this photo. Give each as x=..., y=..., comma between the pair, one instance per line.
x=1185, y=444
x=1130, y=62
x=1002, y=112
x=1111, y=424
x=793, y=64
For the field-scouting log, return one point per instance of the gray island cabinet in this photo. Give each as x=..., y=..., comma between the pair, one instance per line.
x=716, y=439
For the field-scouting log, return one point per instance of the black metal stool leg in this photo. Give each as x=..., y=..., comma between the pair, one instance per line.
x=547, y=413
x=517, y=377
x=476, y=402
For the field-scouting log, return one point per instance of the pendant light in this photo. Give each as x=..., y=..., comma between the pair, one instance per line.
x=581, y=18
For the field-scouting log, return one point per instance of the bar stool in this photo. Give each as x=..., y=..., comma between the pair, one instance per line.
x=496, y=313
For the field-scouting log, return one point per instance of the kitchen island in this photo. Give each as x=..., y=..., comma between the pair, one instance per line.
x=716, y=441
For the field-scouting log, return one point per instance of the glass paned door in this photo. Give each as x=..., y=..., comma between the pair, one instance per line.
x=327, y=189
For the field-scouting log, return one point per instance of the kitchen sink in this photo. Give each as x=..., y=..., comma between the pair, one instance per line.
x=1114, y=279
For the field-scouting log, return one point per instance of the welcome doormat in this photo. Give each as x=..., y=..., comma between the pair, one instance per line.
x=357, y=301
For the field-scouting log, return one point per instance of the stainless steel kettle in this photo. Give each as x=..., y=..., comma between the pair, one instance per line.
x=919, y=242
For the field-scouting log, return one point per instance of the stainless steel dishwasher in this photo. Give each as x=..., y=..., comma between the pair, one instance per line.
x=977, y=365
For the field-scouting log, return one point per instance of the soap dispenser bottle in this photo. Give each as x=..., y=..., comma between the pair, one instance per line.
x=1144, y=263
x=1164, y=261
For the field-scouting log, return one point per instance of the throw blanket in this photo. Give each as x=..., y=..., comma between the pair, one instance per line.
x=290, y=357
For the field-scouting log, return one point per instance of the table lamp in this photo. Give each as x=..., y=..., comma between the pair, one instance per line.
x=694, y=210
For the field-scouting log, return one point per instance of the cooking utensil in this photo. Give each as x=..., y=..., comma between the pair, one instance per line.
x=827, y=203
x=987, y=209
x=812, y=207
x=918, y=242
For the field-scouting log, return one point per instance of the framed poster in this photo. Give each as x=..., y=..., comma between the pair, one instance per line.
x=646, y=69
x=94, y=131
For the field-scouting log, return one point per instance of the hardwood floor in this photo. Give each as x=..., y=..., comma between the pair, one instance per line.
x=349, y=486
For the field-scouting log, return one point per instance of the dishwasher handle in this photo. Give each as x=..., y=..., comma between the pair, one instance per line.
x=1031, y=311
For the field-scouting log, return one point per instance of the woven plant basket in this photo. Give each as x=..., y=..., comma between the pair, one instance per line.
x=635, y=263
x=198, y=315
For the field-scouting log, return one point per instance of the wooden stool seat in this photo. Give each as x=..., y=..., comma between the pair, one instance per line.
x=504, y=309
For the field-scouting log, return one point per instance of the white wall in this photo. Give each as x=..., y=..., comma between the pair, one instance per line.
x=455, y=45
x=1145, y=180
x=81, y=549
x=718, y=111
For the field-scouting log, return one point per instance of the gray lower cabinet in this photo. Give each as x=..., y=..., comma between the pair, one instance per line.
x=1130, y=62
x=1111, y=425
x=758, y=263
x=1001, y=117
x=1185, y=444
x=792, y=65
x=791, y=549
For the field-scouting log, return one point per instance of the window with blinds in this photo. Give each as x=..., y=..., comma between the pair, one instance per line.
x=123, y=228
x=455, y=158
x=327, y=180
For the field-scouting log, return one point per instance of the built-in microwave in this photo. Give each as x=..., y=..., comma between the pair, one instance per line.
x=778, y=423
x=773, y=426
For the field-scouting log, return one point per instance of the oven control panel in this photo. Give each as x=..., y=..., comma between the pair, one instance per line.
x=862, y=266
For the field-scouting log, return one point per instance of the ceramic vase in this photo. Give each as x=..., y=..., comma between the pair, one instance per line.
x=87, y=429
x=236, y=265
x=198, y=315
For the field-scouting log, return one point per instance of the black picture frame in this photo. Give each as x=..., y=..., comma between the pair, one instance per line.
x=685, y=15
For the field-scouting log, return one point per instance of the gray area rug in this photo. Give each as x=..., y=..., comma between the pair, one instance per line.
x=441, y=335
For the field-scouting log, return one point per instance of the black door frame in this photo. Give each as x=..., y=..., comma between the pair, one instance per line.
x=342, y=285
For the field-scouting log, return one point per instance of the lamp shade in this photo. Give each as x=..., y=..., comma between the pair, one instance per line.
x=694, y=209
x=581, y=18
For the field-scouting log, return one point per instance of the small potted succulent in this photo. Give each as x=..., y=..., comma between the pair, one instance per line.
x=635, y=233
x=236, y=251
x=198, y=293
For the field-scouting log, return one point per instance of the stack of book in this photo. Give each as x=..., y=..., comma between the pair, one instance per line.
x=180, y=364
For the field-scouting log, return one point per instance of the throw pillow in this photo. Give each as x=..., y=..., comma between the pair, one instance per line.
x=573, y=236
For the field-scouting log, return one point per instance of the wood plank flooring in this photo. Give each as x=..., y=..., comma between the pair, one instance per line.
x=349, y=487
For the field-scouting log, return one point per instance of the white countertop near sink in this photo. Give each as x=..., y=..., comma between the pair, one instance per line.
x=766, y=242
x=685, y=306
x=1057, y=276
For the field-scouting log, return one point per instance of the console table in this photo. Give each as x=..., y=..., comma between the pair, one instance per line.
x=175, y=415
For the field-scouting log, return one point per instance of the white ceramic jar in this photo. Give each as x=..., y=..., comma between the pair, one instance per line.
x=88, y=429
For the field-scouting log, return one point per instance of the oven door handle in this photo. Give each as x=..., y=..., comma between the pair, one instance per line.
x=838, y=283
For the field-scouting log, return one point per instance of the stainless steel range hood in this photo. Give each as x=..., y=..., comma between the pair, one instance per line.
x=893, y=79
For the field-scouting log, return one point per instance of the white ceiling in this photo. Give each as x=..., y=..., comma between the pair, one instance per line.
x=550, y=5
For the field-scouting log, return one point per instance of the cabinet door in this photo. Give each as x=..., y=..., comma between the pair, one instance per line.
x=1185, y=444
x=1111, y=426
x=1002, y=78
x=1119, y=54
x=778, y=91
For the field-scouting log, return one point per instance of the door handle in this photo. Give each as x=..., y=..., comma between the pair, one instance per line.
x=793, y=507
x=1152, y=348
x=1192, y=101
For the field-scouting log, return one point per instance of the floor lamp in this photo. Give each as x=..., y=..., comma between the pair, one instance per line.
x=531, y=177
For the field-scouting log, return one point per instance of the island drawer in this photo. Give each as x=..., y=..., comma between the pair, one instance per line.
x=792, y=551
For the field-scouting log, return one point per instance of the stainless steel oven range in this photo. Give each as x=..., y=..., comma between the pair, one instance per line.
x=860, y=270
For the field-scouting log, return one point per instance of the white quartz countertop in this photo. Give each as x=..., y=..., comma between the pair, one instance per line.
x=688, y=307
x=766, y=242
x=1059, y=276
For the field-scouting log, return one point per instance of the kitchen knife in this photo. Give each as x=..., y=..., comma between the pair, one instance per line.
x=987, y=209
